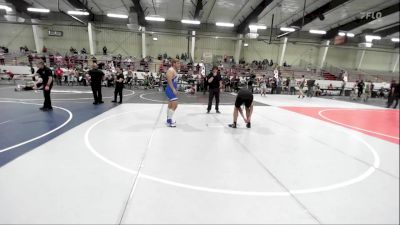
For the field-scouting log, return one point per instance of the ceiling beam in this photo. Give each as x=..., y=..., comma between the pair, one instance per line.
x=209, y=13
x=21, y=8
x=140, y=12
x=359, y=22
x=79, y=5
x=252, y=17
x=387, y=31
x=199, y=7
x=309, y=17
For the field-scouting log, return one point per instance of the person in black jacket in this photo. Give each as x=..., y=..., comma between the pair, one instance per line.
x=119, y=85
x=46, y=76
x=96, y=77
x=394, y=93
x=214, y=84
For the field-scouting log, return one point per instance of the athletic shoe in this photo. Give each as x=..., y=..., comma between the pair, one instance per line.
x=233, y=125
x=171, y=123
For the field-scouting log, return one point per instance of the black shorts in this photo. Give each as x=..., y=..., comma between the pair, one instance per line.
x=248, y=100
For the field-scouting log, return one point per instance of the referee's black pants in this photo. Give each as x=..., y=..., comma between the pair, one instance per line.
x=213, y=92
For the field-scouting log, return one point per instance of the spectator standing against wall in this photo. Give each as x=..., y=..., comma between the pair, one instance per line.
x=292, y=86
x=59, y=73
x=301, y=86
x=360, y=88
x=104, y=50
x=2, y=58
x=310, y=88
x=263, y=86
x=393, y=94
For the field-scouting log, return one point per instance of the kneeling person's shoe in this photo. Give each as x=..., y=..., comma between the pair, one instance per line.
x=233, y=125
x=248, y=125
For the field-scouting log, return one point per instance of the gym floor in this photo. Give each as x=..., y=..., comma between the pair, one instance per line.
x=304, y=161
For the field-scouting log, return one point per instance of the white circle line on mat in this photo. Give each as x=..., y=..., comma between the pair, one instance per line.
x=63, y=99
x=320, y=113
x=40, y=136
x=343, y=184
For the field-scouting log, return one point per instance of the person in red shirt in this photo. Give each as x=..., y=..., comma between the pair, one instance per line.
x=59, y=73
x=9, y=73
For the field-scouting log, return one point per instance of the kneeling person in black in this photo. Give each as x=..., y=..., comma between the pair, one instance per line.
x=119, y=85
x=245, y=97
x=46, y=76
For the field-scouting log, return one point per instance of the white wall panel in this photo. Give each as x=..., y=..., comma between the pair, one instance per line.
x=259, y=50
x=342, y=58
x=119, y=42
x=377, y=61
x=172, y=45
x=14, y=36
x=214, y=46
x=76, y=37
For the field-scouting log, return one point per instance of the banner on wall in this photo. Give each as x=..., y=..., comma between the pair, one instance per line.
x=55, y=33
x=207, y=57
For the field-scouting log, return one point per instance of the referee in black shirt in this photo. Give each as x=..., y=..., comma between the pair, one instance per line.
x=47, y=81
x=96, y=77
x=214, y=84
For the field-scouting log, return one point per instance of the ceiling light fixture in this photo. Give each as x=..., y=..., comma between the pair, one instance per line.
x=117, y=15
x=221, y=24
x=395, y=39
x=155, y=18
x=258, y=27
x=370, y=38
x=78, y=13
x=287, y=29
x=191, y=22
x=8, y=9
x=317, y=32
x=40, y=10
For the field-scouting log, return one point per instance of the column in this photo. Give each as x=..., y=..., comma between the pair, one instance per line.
x=283, y=51
x=143, y=42
x=322, y=53
x=394, y=66
x=92, y=39
x=38, y=36
x=360, y=58
x=193, y=45
x=238, y=49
